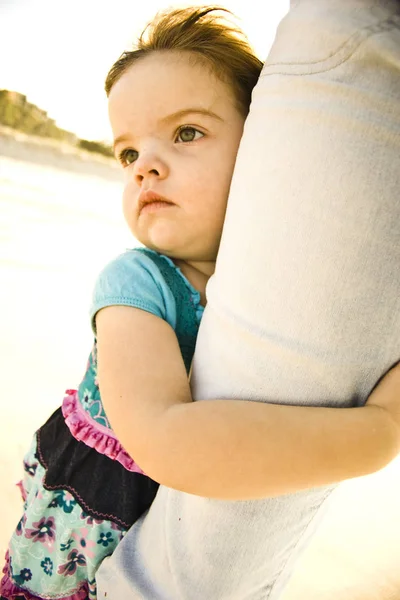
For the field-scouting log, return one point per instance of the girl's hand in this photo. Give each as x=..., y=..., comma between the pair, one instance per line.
x=386, y=395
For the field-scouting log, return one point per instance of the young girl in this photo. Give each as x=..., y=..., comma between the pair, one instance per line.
x=177, y=108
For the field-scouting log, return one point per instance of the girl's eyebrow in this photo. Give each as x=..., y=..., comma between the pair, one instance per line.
x=191, y=110
x=119, y=139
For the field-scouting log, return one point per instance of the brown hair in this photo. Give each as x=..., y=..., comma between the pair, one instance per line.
x=208, y=38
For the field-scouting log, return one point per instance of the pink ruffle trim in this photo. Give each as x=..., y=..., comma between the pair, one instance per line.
x=86, y=430
x=9, y=590
x=22, y=489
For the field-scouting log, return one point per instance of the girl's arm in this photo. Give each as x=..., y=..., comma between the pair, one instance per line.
x=226, y=449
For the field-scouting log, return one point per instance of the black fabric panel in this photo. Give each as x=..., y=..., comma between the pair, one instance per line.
x=102, y=486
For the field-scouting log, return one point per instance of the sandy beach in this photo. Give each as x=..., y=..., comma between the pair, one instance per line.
x=52, y=247
x=55, y=154
x=60, y=222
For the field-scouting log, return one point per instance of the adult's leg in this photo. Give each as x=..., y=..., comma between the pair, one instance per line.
x=305, y=302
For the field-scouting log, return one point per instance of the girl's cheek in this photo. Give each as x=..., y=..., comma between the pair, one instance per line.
x=130, y=191
x=128, y=202
x=127, y=177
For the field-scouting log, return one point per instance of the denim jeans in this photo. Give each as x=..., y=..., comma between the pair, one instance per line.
x=304, y=307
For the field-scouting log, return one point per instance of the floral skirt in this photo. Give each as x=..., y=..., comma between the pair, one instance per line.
x=78, y=504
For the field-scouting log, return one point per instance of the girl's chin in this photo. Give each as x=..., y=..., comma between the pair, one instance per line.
x=162, y=246
x=162, y=242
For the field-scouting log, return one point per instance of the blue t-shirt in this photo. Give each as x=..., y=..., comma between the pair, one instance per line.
x=143, y=279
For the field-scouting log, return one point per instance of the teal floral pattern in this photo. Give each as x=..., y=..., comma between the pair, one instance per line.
x=89, y=393
x=105, y=539
x=44, y=531
x=63, y=545
x=47, y=566
x=64, y=500
x=75, y=559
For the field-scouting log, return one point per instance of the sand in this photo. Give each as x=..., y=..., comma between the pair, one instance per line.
x=53, y=153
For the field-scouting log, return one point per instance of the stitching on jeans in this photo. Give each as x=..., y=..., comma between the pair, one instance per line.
x=167, y=553
x=347, y=48
x=326, y=498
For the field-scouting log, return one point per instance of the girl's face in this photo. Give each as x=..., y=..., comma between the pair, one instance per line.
x=176, y=133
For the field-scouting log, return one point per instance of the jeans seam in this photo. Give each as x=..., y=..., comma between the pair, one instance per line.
x=167, y=554
x=330, y=490
x=343, y=53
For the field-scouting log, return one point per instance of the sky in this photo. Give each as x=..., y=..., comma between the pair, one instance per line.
x=58, y=53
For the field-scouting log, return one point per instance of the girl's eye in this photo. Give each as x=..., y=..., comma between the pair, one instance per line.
x=128, y=156
x=189, y=134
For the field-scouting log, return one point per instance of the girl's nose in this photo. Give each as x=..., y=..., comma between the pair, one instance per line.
x=149, y=165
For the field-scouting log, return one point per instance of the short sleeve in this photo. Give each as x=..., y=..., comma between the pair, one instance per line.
x=133, y=279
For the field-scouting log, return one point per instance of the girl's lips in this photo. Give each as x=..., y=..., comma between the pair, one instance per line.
x=154, y=206
x=148, y=198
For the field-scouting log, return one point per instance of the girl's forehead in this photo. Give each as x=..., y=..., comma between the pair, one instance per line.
x=164, y=83
x=170, y=74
